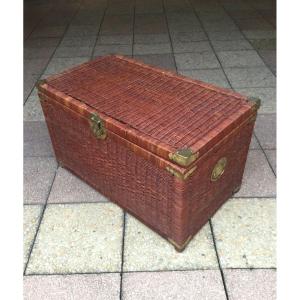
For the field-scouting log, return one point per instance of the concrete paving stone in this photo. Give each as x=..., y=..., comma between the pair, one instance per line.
x=182, y=17
x=120, y=8
x=233, y=6
x=39, y=173
x=219, y=25
x=40, y=52
x=258, y=23
x=258, y=180
x=271, y=155
x=231, y=45
x=75, y=287
x=165, y=61
x=241, y=58
x=273, y=68
x=82, y=30
x=79, y=41
x=78, y=51
x=113, y=49
x=269, y=57
x=254, y=143
x=245, y=233
x=34, y=94
x=176, y=7
x=160, y=48
x=148, y=7
x=28, y=84
x=265, y=130
x=251, y=284
x=33, y=110
x=117, y=20
x=213, y=76
x=36, y=139
x=188, y=285
x=41, y=42
x=182, y=47
x=69, y=188
x=182, y=37
x=115, y=39
x=264, y=44
x=267, y=96
x=35, y=65
x=60, y=64
x=55, y=19
x=88, y=20
x=91, y=10
x=184, y=20
x=150, y=38
x=208, y=13
x=88, y=17
x=148, y=23
x=144, y=250
x=48, y=31
x=76, y=238
x=204, y=60
x=259, y=34
x=272, y=20
x=118, y=24
x=244, y=14
x=31, y=216
x=224, y=35
x=185, y=27
x=250, y=77
x=27, y=31
x=213, y=16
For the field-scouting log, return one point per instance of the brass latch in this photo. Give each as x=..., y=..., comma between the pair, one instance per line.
x=97, y=127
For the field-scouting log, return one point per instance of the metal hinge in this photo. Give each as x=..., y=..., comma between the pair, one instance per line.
x=184, y=156
x=180, y=175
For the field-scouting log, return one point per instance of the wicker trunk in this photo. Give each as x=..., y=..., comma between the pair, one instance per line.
x=167, y=149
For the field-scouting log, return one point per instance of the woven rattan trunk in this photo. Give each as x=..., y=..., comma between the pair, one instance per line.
x=168, y=149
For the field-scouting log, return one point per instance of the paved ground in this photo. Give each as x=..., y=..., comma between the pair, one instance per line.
x=77, y=245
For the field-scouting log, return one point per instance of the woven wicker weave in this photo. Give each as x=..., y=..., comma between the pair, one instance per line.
x=149, y=114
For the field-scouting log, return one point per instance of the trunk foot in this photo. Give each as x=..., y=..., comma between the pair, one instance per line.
x=236, y=189
x=180, y=248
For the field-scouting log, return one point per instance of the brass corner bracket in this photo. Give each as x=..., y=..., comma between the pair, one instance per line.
x=181, y=175
x=184, y=156
x=256, y=101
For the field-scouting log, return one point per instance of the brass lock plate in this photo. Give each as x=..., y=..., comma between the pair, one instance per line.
x=218, y=169
x=97, y=127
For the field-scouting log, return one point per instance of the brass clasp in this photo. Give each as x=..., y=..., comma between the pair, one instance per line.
x=97, y=127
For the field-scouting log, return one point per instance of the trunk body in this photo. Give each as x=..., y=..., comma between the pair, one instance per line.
x=139, y=177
